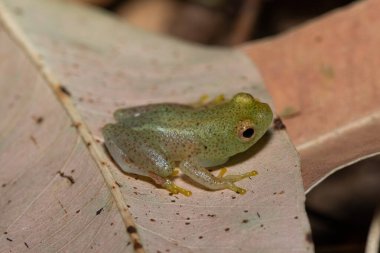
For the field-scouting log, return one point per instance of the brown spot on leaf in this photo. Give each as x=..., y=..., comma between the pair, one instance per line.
x=9, y=239
x=99, y=211
x=318, y=38
x=76, y=124
x=137, y=245
x=38, y=119
x=309, y=238
x=70, y=178
x=278, y=124
x=131, y=229
x=64, y=90
x=33, y=140
x=26, y=245
x=63, y=208
x=245, y=221
x=227, y=229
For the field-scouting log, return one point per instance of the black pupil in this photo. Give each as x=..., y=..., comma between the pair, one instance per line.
x=248, y=133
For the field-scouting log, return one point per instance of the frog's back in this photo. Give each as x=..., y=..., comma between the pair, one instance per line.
x=157, y=114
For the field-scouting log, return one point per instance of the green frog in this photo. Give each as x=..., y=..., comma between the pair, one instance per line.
x=153, y=140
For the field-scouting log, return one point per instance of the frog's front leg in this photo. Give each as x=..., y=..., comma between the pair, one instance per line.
x=205, y=178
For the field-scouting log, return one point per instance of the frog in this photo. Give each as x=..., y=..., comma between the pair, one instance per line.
x=153, y=140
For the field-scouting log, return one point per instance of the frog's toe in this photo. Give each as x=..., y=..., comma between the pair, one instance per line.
x=171, y=187
x=235, y=178
x=175, y=173
x=218, y=99
x=222, y=172
x=236, y=189
x=204, y=100
x=230, y=179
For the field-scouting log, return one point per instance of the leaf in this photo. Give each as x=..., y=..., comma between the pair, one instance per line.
x=326, y=73
x=372, y=245
x=41, y=208
x=94, y=64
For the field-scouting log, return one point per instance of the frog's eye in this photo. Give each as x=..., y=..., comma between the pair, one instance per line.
x=245, y=130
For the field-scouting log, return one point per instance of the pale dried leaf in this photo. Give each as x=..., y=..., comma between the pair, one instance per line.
x=94, y=64
x=41, y=210
x=326, y=73
x=373, y=239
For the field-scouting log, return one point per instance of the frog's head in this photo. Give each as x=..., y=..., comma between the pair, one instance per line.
x=248, y=120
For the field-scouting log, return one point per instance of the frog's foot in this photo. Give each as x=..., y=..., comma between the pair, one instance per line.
x=203, y=100
x=222, y=172
x=175, y=189
x=218, y=100
x=234, y=178
x=175, y=172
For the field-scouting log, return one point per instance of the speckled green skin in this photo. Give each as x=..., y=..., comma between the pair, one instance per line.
x=155, y=138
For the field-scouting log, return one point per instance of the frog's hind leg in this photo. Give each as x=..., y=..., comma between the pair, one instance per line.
x=169, y=185
x=116, y=141
x=134, y=154
x=205, y=178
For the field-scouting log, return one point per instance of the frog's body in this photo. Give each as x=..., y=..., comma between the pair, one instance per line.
x=151, y=140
